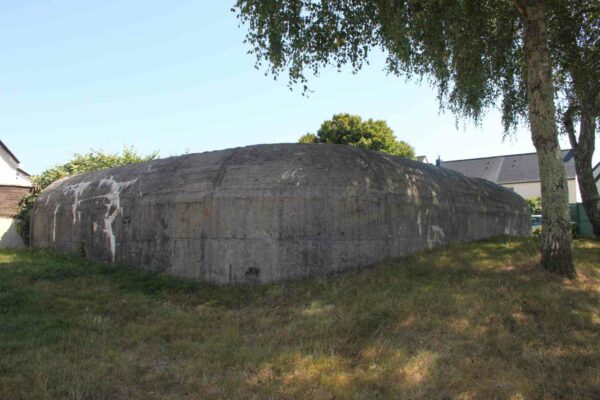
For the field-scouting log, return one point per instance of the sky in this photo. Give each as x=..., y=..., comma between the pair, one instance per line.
x=175, y=77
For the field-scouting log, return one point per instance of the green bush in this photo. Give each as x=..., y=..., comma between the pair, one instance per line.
x=353, y=131
x=535, y=205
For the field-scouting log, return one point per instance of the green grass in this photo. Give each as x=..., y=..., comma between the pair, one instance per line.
x=471, y=321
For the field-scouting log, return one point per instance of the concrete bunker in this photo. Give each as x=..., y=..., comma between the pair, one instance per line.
x=270, y=212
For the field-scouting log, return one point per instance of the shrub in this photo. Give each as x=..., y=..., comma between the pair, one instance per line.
x=535, y=205
x=353, y=131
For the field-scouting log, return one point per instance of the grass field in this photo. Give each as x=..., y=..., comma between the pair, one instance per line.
x=471, y=321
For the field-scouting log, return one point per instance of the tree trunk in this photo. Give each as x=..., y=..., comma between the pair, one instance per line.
x=557, y=254
x=583, y=150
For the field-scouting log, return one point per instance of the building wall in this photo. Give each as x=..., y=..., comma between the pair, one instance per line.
x=528, y=190
x=9, y=237
x=14, y=184
x=574, y=192
x=10, y=197
x=9, y=172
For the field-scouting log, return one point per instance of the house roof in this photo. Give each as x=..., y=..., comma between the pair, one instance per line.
x=7, y=150
x=23, y=172
x=511, y=168
x=421, y=159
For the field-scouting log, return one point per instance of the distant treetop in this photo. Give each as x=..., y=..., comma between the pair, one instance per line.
x=353, y=131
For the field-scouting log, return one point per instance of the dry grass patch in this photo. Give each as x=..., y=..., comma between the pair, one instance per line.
x=470, y=321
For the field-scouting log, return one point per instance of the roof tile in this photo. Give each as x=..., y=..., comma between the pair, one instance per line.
x=508, y=169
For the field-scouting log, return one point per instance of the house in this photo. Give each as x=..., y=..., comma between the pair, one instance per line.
x=520, y=173
x=14, y=184
x=422, y=159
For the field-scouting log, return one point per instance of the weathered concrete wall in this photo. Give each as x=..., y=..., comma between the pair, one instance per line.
x=270, y=212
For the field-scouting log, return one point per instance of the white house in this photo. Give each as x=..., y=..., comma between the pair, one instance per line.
x=520, y=172
x=14, y=184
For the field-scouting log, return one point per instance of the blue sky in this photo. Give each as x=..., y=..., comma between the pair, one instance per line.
x=175, y=77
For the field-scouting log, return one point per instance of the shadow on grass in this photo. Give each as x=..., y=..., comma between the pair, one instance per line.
x=473, y=320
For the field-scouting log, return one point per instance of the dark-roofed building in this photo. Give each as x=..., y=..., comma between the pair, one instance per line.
x=520, y=172
x=14, y=184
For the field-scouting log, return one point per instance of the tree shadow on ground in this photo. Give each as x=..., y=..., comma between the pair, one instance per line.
x=469, y=321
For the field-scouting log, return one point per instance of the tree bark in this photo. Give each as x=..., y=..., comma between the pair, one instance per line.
x=583, y=151
x=557, y=253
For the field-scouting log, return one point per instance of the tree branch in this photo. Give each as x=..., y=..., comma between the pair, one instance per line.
x=567, y=121
x=520, y=7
